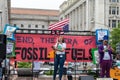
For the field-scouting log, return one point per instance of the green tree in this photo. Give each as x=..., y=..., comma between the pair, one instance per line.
x=115, y=36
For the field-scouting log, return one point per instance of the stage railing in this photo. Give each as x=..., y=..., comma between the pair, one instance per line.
x=57, y=32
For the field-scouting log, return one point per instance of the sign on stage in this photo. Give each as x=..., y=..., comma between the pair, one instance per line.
x=38, y=47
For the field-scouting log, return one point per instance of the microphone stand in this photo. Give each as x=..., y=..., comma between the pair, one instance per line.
x=32, y=60
x=5, y=75
x=75, y=58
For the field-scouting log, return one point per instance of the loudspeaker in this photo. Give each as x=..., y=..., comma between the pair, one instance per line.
x=24, y=72
x=70, y=77
x=86, y=78
x=2, y=46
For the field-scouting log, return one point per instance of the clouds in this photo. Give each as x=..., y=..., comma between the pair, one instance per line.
x=39, y=4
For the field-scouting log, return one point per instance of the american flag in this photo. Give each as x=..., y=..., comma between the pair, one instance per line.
x=61, y=25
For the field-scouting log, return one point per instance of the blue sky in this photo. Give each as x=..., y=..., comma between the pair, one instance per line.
x=39, y=4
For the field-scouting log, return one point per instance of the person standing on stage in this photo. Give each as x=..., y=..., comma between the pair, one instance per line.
x=105, y=51
x=59, y=59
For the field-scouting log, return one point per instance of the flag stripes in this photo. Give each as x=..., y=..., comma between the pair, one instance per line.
x=59, y=25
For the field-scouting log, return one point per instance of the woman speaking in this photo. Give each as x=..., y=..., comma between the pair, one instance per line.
x=59, y=59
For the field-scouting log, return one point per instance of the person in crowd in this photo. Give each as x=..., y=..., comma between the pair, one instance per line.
x=118, y=61
x=6, y=66
x=65, y=71
x=1, y=69
x=105, y=52
x=36, y=69
x=59, y=59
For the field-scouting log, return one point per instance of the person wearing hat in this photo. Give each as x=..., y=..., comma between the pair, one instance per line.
x=105, y=52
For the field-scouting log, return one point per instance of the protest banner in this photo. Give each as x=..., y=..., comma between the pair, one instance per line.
x=38, y=46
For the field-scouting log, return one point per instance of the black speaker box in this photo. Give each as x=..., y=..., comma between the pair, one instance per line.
x=70, y=77
x=86, y=78
x=24, y=72
x=2, y=46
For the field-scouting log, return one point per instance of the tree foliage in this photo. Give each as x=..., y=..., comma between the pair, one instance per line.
x=115, y=36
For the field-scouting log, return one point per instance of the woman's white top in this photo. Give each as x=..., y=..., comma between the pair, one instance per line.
x=106, y=54
x=60, y=46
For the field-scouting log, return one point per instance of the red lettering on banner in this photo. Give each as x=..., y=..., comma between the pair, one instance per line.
x=37, y=47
